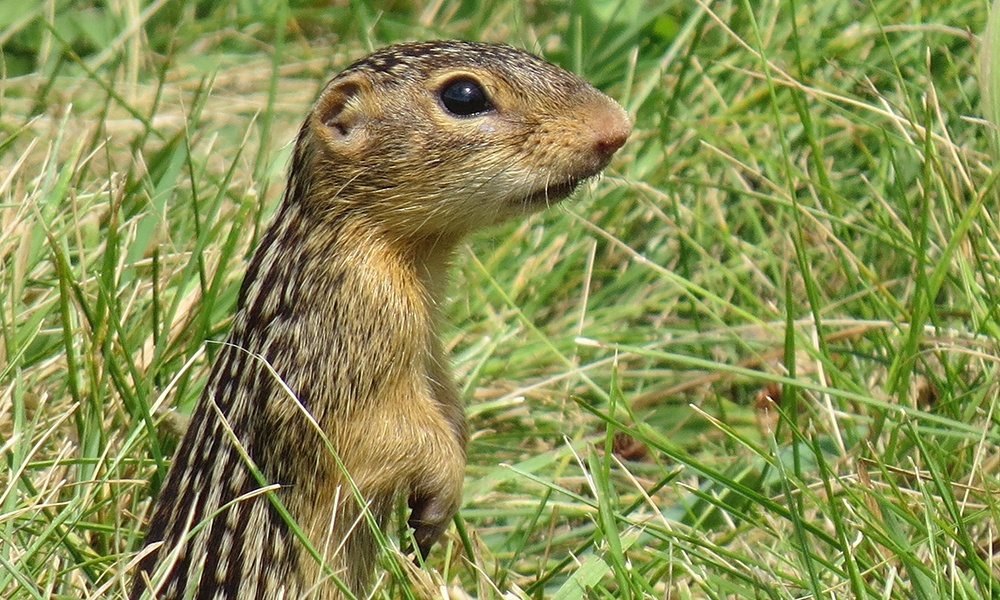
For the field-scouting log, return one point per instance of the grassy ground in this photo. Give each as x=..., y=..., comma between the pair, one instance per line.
x=757, y=359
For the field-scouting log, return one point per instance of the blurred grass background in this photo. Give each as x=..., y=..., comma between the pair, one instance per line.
x=757, y=359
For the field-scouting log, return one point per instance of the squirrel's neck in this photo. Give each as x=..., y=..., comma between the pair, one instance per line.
x=305, y=255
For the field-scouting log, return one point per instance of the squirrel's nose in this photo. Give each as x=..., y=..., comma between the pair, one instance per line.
x=608, y=126
x=611, y=128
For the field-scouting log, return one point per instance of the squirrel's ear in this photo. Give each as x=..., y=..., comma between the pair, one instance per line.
x=339, y=108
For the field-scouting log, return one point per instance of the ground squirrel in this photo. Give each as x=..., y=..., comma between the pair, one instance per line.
x=333, y=363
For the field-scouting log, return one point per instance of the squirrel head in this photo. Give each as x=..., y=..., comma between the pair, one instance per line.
x=435, y=139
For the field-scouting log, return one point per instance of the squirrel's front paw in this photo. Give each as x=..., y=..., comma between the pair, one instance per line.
x=429, y=517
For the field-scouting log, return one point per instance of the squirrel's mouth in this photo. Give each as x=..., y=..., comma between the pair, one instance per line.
x=554, y=192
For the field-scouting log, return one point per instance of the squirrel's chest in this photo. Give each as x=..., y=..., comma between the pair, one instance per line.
x=337, y=346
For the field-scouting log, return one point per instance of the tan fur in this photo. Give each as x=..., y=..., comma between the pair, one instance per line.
x=334, y=344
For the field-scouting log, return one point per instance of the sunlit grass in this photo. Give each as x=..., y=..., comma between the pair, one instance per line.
x=756, y=359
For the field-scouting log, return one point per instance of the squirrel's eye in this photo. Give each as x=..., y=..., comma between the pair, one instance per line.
x=464, y=97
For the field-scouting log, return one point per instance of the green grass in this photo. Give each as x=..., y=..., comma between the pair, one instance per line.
x=805, y=213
